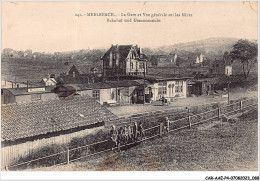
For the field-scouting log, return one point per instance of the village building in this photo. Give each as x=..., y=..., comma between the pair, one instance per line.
x=30, y=126
x=163, y=60
x=199, y=59
x=25, y=94
x=200, y=87
x=48, y=81
x=221, y=67
x=111, y=92
x=84, y=69
x=168, y=88
x=124, y=60
x=117, y=92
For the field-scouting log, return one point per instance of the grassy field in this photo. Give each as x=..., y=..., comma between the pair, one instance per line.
x=225, y=145
x=33, y=70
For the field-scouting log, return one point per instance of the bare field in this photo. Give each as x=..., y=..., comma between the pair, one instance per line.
x=214, y=146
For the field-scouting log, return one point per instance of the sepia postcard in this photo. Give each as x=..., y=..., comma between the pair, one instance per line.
x=130, y=86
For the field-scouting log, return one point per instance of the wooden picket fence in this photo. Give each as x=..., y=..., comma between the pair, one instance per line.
x=150, y=132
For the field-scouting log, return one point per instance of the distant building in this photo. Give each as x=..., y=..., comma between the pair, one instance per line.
x=221, y=67
x=25, y=95
x=228, y=70
x=199, y=59
x=48, y=81
x=169, y=88
x=82, y=69
x=124, y=60
x=163, y=60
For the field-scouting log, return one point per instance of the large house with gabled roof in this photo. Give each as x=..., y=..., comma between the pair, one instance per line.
x=124, y=60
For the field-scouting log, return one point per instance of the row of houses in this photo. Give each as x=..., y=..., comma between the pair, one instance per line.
x=121, y=92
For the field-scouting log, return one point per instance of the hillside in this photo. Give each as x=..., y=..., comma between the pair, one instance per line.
x=215, y=45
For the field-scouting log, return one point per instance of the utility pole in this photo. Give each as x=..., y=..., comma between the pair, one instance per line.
x=27, y=85
x=118, y=89
x=144, y=85
x=228, y=91
x=116, y=83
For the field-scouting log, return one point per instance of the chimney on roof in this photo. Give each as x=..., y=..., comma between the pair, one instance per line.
x=116, y=45
x=48, y=76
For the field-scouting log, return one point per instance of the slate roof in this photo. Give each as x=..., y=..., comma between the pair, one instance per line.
x=219, y=80
x=81, y=68
x=80, y=78
x=97, y=85
x=40, y=118
x=156, y=78
x=124, y=83
x=124, y=50
x=23, y=90
x=109, y=84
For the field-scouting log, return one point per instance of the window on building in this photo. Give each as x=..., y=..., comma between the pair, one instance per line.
x=110, y=59
x=36, y=97
x=96, y=94
x=162, y=87
x=160, y=90
x=132, y=65
x=117, y=59
x=179, y=86
x=141, y=66
x=164, y=90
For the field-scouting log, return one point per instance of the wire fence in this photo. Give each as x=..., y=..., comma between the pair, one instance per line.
x=153, y=127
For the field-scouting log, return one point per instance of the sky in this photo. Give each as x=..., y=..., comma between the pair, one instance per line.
x=53, y=26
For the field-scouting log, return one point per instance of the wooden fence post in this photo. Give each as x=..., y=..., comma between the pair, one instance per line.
x=161, y=129
x=219, y=113
x=188, y=111
x=189, y=121
x=241, y=105
x=168, y=125
x=68, y=156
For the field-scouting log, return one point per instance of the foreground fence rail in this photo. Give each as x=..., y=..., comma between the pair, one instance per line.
x=158, y=130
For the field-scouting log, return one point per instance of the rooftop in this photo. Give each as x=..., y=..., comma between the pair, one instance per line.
x=40, y=118
x=24, y=90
